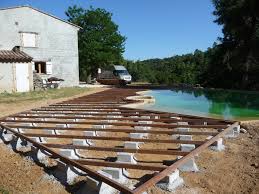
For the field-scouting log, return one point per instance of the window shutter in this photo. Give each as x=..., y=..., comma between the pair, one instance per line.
x=29, y=39
x=33, y=66
x=49, y=68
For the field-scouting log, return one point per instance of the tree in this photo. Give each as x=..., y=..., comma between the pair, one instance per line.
x=240, y=21
x=100, y=42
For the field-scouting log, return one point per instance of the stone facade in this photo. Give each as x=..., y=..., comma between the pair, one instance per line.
x=56, y=41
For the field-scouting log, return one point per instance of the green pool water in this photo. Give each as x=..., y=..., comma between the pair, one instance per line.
x=210, y=103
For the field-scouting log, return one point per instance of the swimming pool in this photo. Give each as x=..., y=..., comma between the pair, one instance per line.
x=225, y=104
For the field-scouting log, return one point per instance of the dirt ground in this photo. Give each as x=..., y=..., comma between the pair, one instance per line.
x=234, y=170
x=18, y=175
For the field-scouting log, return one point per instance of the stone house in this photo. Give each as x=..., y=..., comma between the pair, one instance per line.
x=50, y=41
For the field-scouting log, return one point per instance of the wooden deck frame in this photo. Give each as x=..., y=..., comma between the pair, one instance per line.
x=223, y=125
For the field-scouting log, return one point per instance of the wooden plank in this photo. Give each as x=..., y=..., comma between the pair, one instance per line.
x=168, y=115
x=115, y=124
x=129, y=130
x=108, y=138
x=121, y=165
x=122, y=119
x=116, y=149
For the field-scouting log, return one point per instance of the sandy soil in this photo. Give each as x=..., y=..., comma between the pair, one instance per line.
x=234, y=170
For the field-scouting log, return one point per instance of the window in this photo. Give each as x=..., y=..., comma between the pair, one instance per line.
x=43, y=67
x=40, y=67
x=29, y=39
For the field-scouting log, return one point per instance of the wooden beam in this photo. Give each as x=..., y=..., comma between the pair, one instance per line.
x=129, y=130
x=201, y=121
x=121, y=165
x=115, y=124
x=197, y=143
x=115, y=149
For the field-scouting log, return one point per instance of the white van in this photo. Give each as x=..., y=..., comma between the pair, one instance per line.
x=122, y=73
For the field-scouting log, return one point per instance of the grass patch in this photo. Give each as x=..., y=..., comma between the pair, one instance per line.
x=41, y=95
x=3, y=191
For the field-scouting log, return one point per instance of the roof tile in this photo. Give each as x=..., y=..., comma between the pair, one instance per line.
x=14, y=56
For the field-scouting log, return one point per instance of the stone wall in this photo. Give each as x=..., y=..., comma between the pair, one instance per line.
x=57, y=41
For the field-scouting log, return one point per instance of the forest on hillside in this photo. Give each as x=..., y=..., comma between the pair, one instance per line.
x=232, y=62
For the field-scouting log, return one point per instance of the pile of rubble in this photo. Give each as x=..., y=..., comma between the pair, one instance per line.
x=37, y=82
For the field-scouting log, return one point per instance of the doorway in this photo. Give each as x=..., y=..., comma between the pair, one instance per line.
x=22, y=77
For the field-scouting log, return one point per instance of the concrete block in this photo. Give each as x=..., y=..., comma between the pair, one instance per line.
x=175, y=136
x=135, y=135
x=117, y=174
x=91, y=134
x=19, y=130
x=63, y=125
x=52, y=132
x=28, y=114
x=88, y=116
x=6, y=136
x=171, y=182
x=145, y=122
x=44, y=158
x=219, y=144
x=92, y=112
x=115, y=112
x=45, y=119
x=141, y=128
x=11, y=118
x=58, y=115
x=178, y=118
x=69, y=153
x=183, y=129
x=131, y=145
x=22, y=145
x=78, y=120
x=39, y=139
x=233, y=132
x=145, y=117
x=114, y=116
x=189, y=166
x=98, y=186
x=187, y=147
x=185, y=137
x=80, y=142
x=29, y=124
x=126, y=158
x=80, y=115
x=99, y=126
x=72, y=174
x=182, y=123
x=157, y=117
x=108, y=121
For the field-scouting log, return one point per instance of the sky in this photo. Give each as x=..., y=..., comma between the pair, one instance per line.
x=154, y=28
